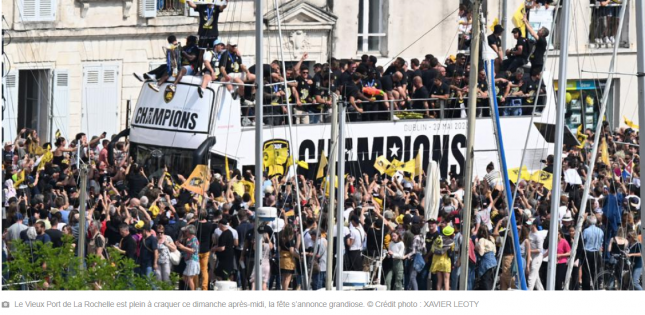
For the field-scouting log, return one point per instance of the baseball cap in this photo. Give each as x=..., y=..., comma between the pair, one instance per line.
x=217, y=42
x=223, y=221
x=498, y=29
x=431, y=221
x=516, y=30
x=388, y=214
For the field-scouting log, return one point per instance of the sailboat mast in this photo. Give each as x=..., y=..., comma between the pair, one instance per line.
x=259, y=70
x=557, y=146
x=640, y=39
x=470, y=143
x=331, y=180
x=340, y=205
x=594, y=150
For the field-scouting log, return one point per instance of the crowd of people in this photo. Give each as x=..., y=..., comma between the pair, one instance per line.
x=432, y=87
x=166, y=230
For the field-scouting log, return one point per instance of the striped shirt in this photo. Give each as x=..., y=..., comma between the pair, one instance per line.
x=593, y=238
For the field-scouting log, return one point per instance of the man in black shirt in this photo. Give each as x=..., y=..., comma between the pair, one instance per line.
x=517, y=56
x=354, y=94
x=54, y=233
x=420, y=95
x=458, y=66
x=303, y=95
x=148, y=253
x=495, y=42
x=225, y=253
x=208, y=19
x=205, y=236
x=530, y=89
x=323, y=99
x=127, y=245
x=537, y=58
x=439, y=90
x=482, y=94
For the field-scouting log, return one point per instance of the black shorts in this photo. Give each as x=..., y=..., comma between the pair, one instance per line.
x=206, y=42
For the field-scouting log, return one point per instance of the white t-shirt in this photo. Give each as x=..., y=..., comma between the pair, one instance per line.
x=483, y=218
x=537, y=240
x=358, y=236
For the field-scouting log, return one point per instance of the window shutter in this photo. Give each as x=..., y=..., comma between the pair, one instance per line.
x=47, y=10
x=37, y=10
x=10, y=115
x=60, y=104
x=148, y=8
x=100, y=100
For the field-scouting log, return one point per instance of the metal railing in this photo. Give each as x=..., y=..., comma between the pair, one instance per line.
x=445, y=109
x=170, y=8
x=597, y=26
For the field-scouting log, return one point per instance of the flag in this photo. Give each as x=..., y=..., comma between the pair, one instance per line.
x=418, y=165
x=395, y=165
x=518, y=19
x=290, y=213
x=582, y=138
x=228, y=171
x=57, y=134
x=544, y=178
x=325, y=185
x=409, y=167
x=275, y=156
x=250, y=188
x=321, y=166
x=604, y=152
x=381, y=164
x=630, y=123
x=18, y=178
x=300, y=163
x=514, y=172
x=198, y=181
x=495, y=23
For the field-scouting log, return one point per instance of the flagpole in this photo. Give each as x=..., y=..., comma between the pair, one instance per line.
x=470, y=142
x=332, y=192
x=594, y=150
x=259, y=102
x=341, y=197
x=640, y=30
x=557, y=146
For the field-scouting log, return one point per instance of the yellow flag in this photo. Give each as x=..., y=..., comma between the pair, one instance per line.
x=198, y=180
x=525, y=174
x=18, y=178
x=57, y=134
x=300, y=163
x=325, y=185
x=249, y=187
x=228, y=171
x=604, y=152
x=630, y=123
x=582, y=138
x=544, y=178
x=395, y=165
x=518, y=19
x=418, y=165
x=409, y=167
x=321, y=166
x=381, y=164
x=495, y=23
x=275, y=156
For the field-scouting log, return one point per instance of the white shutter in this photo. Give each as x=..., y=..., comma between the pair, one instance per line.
x=60, y=104
x=148, y=8
x=10, y=114
x=100, y=100
x=37, y=10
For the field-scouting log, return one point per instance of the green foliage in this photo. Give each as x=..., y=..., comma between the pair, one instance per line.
x=59, y=269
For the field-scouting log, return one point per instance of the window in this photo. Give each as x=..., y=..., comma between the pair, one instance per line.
x=100, y=99
x=604, y=26
x=370, y=25
x=37, y=10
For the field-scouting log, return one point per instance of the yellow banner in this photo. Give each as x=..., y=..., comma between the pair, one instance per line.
x=514, y=172
x=381, y=164
x=321, y=166
x=544, y=178
x=198, y=180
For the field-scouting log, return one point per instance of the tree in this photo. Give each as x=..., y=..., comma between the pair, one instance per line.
x=46, y=268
